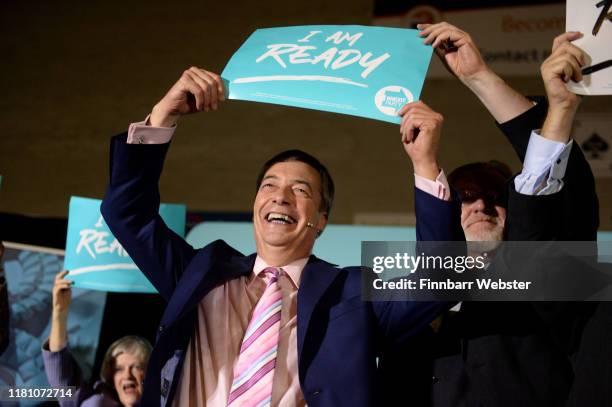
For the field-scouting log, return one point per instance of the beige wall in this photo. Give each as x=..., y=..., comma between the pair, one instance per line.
x=74, y=73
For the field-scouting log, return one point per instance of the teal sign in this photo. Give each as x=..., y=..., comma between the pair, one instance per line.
x=339, y=244
x=350, y=69
x=96, y=259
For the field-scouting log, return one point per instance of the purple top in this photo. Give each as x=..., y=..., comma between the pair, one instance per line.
x=62, y=370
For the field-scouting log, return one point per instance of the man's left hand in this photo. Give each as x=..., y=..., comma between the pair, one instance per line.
x=564, y=63
x=421, y=128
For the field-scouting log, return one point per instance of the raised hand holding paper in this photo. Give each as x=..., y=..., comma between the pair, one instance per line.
x=362, y=71
x=593, y=18
x=95, y=258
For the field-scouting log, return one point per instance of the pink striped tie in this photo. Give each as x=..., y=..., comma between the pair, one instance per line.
x=252, y=384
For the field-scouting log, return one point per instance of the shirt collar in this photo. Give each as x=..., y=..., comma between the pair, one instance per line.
x=293, y=269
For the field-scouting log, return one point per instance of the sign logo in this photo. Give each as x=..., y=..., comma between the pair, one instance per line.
x=390, y=99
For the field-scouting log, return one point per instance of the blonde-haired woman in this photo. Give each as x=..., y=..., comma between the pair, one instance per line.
x=123, y=367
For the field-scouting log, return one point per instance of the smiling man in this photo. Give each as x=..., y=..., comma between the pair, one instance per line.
x=295, y=194
x=278, y=327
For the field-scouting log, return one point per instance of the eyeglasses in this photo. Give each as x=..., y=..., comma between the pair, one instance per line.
x=469, y=196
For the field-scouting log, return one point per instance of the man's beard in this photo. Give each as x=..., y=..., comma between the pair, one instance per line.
x=484, y=240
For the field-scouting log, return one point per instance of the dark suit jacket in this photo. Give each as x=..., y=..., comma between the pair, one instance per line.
x=584, y=329
x=339, y=335
x=512, y=354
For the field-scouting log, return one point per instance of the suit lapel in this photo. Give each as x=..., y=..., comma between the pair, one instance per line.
x=316, y=279
x=199, y=279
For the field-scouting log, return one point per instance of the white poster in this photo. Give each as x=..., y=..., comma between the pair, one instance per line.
x=593, y=18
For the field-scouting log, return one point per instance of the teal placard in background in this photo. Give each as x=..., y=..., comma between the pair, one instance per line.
x=95, y=258
x=339, y=244
x=351, y=69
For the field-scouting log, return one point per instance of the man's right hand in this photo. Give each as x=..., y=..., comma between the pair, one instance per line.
x=197, y=90
x=460, y=55
x=456, y=49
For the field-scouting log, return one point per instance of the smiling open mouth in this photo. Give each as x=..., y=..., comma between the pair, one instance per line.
x=280, y=218
x=129, y=387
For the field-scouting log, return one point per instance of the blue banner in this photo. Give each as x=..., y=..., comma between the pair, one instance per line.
x=30, y=272
x=96, y=259
x=350, y=69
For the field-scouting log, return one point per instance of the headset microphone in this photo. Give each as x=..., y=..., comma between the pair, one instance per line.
x=312, y=226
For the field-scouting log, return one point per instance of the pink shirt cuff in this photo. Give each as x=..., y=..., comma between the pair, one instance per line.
x=143, y=133
x=438, y=188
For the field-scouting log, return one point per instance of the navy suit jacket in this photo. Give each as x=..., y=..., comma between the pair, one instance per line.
x=339, y=335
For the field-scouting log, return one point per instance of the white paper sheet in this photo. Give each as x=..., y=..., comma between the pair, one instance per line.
x=582, y=15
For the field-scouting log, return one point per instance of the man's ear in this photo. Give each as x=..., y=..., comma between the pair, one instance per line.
x=321, y=223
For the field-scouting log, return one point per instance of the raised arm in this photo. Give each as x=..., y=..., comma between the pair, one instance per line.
x=437, y=219
x=437, y=214
x=565, y=204
x=564, y=64
x=554, y=165
x=515, y=114
x=61, y=368
x=131, y=203
x=459, y=53
x=62, y=296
